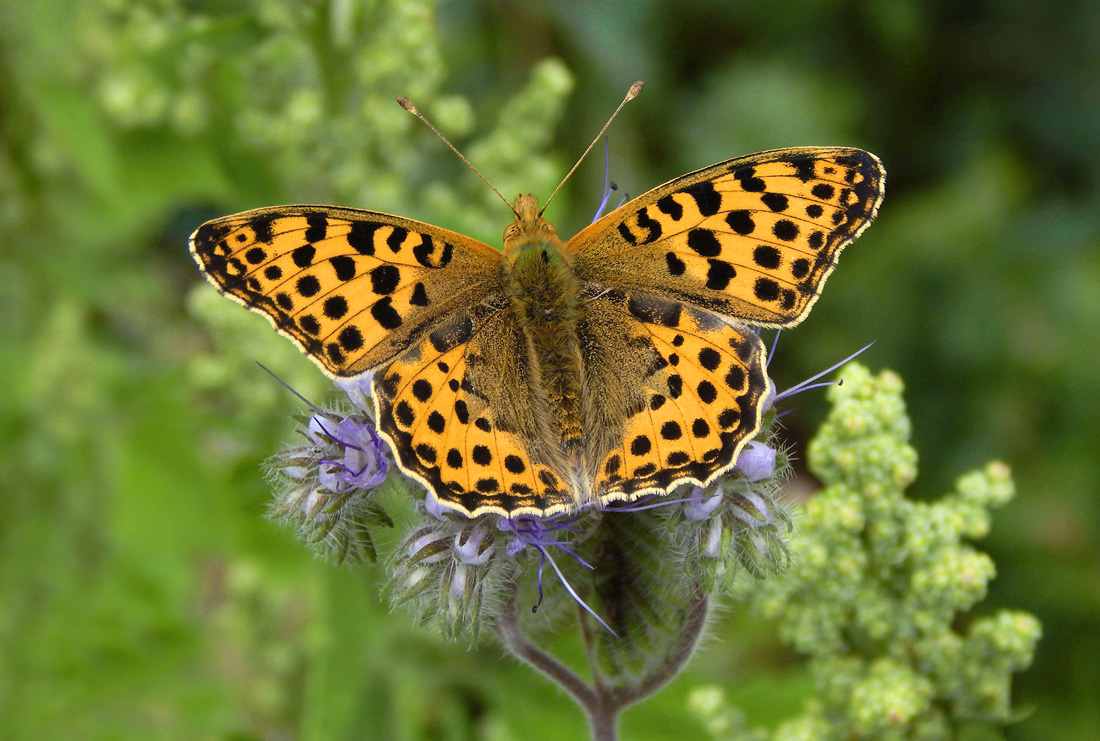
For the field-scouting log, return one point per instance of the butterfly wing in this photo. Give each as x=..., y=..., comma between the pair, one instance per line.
x=695, y=383
x=753, y=238
x=351, y=288
x=457, y=410
x=674, y=272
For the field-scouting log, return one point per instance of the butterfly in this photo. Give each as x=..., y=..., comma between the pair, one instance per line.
x=551, y=377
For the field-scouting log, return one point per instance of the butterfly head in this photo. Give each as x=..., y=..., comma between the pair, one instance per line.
x=529, y=227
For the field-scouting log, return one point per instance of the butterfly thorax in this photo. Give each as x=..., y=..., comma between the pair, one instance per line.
x=544, y=293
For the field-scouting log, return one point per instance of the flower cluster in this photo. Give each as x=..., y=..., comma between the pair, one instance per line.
x=878, y=582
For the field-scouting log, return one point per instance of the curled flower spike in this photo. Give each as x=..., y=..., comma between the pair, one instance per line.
x=355, y=455
x=327, y=482
x=450, y=571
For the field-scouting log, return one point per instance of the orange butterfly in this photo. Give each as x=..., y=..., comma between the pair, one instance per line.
x=555, y=376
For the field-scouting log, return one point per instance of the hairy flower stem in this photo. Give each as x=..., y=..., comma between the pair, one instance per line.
x=601, y=702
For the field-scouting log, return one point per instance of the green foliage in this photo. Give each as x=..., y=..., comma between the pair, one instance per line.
x=876, y=587
x=142, y=593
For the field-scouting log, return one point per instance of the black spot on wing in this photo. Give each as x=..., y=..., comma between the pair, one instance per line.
x=303, y=256
x=741, y=222
x=419, y=296
x=775, y=201
x=343, y=266
x=645, y=221
x=766, y=256
x=677, y=458
x=710, y=358
x=704, y=242
x=384, y=313
x=361, y=236
x=436, y=423
x=707, y=199
x=350, y=338
x=308, y=286
x=786, y=230
x=335, y=307
x=261, y=228
x=309, y=324
x=316, y=227
x=654, y=310
x=426, y=254
x=670, y=207
x=803, y=167
x=719, y=274
x=384, y=279
x=397, y=238
x=746, y=178
x=452, y=335
x=404, y=413
x=766, y=289
x=422, y=389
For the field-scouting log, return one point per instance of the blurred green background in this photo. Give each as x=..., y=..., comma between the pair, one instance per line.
x=143, y=594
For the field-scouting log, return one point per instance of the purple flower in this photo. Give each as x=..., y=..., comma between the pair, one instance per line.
x=354, y=457
x=698, y=507
x=756, y=461
x=328, y=480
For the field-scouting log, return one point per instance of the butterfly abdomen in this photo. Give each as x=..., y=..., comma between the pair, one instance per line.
x=544, y=294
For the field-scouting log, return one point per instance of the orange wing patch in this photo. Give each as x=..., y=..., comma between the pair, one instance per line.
x=753, y=238
x=705, y=397
x=452, y=431
x=351, y=288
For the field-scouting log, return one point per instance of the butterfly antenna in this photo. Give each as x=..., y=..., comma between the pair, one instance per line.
x=631, y=94
x=408, y=106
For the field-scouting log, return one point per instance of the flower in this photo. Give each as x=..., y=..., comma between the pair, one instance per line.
x=756, y=461
x=326, y=483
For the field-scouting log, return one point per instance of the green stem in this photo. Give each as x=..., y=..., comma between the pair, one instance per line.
x=601, y=703
x=511, y=633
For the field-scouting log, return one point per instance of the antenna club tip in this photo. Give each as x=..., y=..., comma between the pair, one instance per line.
x=635, y=89
x=406, y=104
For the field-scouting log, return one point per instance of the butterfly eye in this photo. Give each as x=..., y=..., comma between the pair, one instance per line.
x=510, y=231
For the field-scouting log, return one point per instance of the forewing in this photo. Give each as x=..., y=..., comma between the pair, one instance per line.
x=703, y=382
x=752, y=238
x=457, y=410
x=351, y=288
